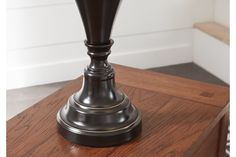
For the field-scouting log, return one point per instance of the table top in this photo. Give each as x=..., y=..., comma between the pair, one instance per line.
x=177, y=115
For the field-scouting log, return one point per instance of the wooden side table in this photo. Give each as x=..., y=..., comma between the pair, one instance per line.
x=181, y=117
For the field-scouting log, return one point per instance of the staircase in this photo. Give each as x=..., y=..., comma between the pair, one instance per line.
x=211, y=48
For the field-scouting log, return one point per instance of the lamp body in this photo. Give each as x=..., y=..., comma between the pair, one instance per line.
x=98, y=115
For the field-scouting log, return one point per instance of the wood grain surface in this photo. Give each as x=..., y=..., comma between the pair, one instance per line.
x=178, y=116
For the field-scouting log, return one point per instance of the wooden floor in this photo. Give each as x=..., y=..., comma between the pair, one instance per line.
x=20, y=99
x=190, y=71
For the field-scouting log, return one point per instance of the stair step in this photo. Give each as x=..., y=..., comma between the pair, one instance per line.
x=215, y=30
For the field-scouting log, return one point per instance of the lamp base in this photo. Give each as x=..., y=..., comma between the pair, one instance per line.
x=99, y=127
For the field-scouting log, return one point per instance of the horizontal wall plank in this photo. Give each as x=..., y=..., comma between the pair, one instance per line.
x=22, y=4
x=75, y=50
x=71, y=69
x=62, y=62
x=56, y=24
x=34, y=27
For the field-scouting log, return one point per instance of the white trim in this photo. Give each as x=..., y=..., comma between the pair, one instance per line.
x=70, y=69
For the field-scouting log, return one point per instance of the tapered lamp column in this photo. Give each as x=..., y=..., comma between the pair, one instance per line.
x=99, y=115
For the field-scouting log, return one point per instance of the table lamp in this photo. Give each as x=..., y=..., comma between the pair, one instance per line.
x=98, y=115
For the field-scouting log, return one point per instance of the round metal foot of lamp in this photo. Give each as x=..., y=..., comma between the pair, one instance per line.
x=99, y=115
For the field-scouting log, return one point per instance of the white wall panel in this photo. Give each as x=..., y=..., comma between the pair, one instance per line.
x=47, y=33
x=39, y=26
x=222, y=12
x=76, y=50
x=43, y=26
x=19, y=4
x=62, y=62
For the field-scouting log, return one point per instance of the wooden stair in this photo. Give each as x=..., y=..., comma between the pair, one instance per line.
x=215, y=30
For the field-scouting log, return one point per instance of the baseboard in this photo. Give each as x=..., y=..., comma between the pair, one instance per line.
x=61, y=62
x=71, y=69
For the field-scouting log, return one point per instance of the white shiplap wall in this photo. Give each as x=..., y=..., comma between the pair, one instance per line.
x=221, y=14
x=45, y=37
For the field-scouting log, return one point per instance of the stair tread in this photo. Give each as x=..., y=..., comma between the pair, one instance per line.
x=215, y=30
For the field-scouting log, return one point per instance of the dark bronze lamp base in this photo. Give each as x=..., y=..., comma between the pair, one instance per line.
x=98, y=115
x=118, y=131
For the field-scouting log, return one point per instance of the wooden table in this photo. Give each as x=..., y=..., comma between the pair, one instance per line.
x=181, y=117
